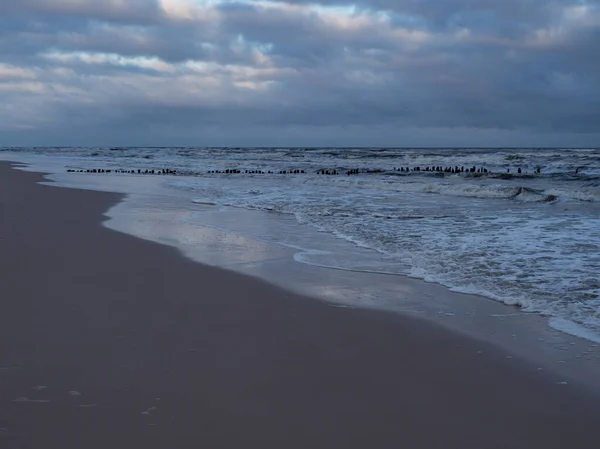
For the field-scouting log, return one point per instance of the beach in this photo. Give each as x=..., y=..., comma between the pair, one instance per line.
x=109, y=341
x=527, y=239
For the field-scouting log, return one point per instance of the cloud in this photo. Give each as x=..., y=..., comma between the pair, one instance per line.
x=121, y=11
x=202, y=70
x=11, y=73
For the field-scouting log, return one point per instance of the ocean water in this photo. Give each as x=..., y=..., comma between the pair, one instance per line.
x=529, y=239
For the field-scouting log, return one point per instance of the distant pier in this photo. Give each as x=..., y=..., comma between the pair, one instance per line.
x=436, y=170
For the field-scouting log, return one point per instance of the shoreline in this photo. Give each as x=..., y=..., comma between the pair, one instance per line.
x=143, y=201
x=146, y=206
x=519, y=333
x=112, y=323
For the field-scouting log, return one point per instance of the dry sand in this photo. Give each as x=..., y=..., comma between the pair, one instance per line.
x=107, y=341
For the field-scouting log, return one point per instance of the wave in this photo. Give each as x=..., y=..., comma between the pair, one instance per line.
x=529, y=195
x=514, y=157
x=204, y=202
x=523, y=194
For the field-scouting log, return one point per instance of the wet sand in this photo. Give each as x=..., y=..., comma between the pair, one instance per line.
x=108, y=341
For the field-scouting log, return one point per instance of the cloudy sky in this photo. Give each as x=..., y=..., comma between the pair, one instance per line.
x=300, y=73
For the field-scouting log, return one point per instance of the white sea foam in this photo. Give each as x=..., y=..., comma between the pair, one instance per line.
x=572, y=328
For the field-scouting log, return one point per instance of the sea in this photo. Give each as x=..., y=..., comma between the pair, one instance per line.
x=520, y=226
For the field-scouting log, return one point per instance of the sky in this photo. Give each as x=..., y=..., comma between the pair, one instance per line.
x=300, y=73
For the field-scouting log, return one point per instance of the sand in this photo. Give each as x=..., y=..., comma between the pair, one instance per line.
x=108, y=341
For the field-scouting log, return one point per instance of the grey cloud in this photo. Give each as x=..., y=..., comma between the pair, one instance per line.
x=321, y=78
x=445, y=12
x=130, y=11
